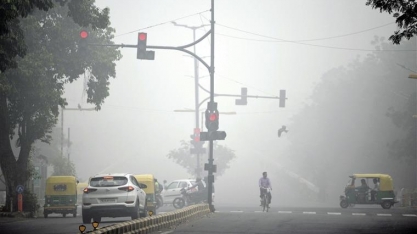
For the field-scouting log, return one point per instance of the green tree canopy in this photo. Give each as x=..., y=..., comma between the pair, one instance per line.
x=31, y=93
x=405, y=13
x=222, y=158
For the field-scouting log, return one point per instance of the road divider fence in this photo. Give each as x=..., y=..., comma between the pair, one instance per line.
x=156, y=222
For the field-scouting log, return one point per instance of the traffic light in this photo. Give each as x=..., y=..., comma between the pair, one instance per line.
x=212, y=120
x=282, y=97
x=141, y=51
x=244, y=97
x=83, y=40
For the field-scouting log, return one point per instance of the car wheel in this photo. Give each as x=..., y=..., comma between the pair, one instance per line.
x=386, y=204
x=344, y=204
x=178, y=203
x=144, y=212
x=136, y=211
x=86, y=217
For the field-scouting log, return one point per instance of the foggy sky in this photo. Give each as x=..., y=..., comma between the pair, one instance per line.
x=137, y=125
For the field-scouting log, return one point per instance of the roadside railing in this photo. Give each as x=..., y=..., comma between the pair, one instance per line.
x=407, y=197
x=156, y=222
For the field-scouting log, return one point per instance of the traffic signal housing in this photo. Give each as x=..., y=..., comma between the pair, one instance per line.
x=142, y=53
x=212, y=120
x=244, y=97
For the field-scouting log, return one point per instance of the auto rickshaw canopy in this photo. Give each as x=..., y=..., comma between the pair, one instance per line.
x=147, y=179
x=56, y=185
x=385, y=181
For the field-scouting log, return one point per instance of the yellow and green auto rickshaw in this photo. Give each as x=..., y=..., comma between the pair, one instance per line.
x=61, y=196
x=369, y=189
x=148, y=179
x=80, y=190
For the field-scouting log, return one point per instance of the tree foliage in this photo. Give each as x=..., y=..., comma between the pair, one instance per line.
x=31, y=93
x=347, y=127
x=405, y=13
x=222, y=158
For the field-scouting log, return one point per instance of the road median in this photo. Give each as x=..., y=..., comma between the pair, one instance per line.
x=156, y=222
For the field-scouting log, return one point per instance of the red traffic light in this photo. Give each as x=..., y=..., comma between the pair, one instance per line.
x=142, y=36
x=213, y=117
x=83, y=34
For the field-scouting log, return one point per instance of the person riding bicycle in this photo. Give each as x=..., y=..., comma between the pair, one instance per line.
x=264, y=184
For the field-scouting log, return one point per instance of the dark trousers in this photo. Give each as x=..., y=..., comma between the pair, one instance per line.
x=263, y=191
x=373, y=193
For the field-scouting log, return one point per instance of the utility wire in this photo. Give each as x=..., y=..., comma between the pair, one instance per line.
x=306, y=44
x=152, y=26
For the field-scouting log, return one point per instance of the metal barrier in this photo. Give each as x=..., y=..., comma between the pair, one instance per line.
x=407, y=197
x=156, y=222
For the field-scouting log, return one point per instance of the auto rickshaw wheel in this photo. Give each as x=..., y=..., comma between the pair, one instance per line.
x=45, y=215
x=386, y=204
x=64, y=215
x=74, y=214
x=344, y=204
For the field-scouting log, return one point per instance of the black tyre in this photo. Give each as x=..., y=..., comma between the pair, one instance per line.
x=135, y=212
x=144, y=213
x=86, y=217
x=74, y=214
x=64, y=215
x=386, y=204
x=344, y=204
x=45, y=215
x=178, y=203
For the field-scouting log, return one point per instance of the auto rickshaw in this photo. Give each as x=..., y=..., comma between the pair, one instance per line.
x=80, y=188
x=365, y=194
x=148, y=179
x=61, y=196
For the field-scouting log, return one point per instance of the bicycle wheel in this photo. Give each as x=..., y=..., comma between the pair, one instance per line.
x=265, y=202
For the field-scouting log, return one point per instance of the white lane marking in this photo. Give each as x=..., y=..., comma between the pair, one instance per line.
x=384, y=214
x=334, y=213
x=285, y=212
x=308, y=212
x=237, y=211
x=409, y=215
x=358, y=214
x=258, y=211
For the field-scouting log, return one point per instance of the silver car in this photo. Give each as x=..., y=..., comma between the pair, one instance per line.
x=113, y=195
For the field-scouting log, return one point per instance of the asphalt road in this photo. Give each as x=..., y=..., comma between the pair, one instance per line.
x=229, y=219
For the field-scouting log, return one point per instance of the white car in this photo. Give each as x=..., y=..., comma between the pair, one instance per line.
x=173, y=190
x=113, y=195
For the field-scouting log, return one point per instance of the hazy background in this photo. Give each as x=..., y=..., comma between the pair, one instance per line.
x=137, y=125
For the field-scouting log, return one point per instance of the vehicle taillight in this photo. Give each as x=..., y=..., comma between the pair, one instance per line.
x=89, y=190
x=127, y=188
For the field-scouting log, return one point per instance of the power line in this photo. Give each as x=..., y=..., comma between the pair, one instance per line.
x=307, y=44
x=152, y=26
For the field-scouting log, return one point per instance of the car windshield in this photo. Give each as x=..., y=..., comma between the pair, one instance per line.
x=108, y=181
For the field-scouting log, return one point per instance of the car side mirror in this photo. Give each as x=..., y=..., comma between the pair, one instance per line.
x=142, y=186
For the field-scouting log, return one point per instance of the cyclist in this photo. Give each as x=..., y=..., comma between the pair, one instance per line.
x=264, y=184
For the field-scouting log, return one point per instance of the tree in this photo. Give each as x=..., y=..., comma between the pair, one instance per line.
x=31, y=93
x=405, y=13
x=222, y=158
x=347, y=125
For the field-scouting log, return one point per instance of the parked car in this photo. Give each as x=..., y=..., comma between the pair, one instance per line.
x=173, y=189
x=113, y=195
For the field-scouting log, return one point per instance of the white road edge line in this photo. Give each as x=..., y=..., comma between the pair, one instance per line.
x=384, y=214
x=308, y=212
x=410, y=215
x=236, y=211
x=358, y=214
x=334, y=213
x=285, y=212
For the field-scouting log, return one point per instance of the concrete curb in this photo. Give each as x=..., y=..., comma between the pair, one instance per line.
x=15, y=214
x=157, y=222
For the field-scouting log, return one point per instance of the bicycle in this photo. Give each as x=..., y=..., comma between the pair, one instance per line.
x=265, y=204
